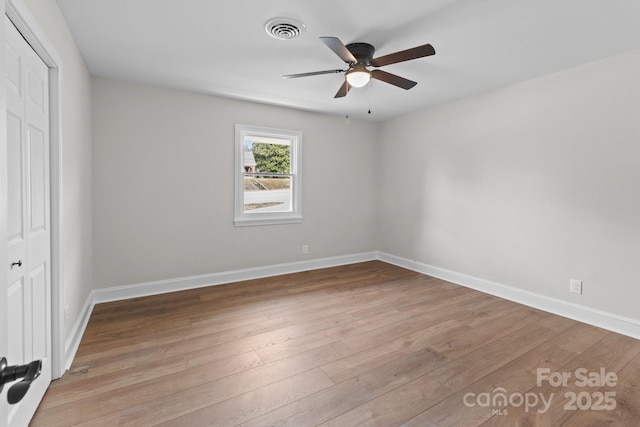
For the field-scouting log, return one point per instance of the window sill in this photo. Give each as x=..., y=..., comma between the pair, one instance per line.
x=244, y=222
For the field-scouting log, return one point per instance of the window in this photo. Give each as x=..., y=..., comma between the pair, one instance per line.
x=268, y=181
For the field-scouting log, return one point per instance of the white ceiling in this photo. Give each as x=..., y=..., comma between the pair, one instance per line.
x=221, y=47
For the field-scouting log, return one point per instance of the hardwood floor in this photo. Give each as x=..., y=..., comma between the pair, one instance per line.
x=363, y=344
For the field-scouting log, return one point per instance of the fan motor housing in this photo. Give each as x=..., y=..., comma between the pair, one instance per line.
x=362, y=51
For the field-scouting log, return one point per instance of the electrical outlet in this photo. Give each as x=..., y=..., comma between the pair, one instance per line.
x=305, y=249
x=575, y=286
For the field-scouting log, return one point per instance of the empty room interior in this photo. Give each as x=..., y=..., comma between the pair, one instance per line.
x=320, y=213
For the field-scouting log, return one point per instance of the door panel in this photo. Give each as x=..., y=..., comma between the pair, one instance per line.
x=15, y=225
x=40, y=312
x=36, y=90
x=15, y=299
x=13, y=66
x=37, y=180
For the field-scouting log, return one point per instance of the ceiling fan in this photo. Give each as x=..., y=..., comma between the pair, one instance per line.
x=359, y=56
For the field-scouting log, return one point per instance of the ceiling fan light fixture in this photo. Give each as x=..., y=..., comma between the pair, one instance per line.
x=358, y=56
x=359, y=76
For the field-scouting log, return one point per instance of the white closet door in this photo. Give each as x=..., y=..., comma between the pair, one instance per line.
x=28, y=295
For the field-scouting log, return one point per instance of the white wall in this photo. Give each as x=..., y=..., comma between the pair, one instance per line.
x=528, y=186
x=163, y=186
x=76, y=235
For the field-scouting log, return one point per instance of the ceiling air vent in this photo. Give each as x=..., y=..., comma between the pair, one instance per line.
x=284, y=28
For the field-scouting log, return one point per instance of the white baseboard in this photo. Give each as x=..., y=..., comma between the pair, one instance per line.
x=602, y=319
x=180, y=284
x=74, y=338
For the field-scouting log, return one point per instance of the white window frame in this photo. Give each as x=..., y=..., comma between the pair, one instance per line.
x=242, y=218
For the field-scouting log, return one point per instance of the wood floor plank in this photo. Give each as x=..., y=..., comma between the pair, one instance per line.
x=327, y=404
x=467, y=369
x=251, y=404
x=360, y=344
x=379, y=354
x=112, y=420
x=394, y=407
x=492, y=330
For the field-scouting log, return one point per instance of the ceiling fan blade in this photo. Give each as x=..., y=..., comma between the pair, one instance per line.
x=344, y=90
x=339, y=49
x=404, y=55
x=393, y=79
x=313, y=73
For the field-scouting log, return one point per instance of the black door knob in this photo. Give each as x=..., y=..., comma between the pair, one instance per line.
x=28, y=373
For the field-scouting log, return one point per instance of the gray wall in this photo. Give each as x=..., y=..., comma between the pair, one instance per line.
x=163, y=186
x=76, y=238
x=528, y=186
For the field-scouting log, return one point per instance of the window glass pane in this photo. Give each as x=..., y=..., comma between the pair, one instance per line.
x=267, y=194
x=263, y=156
